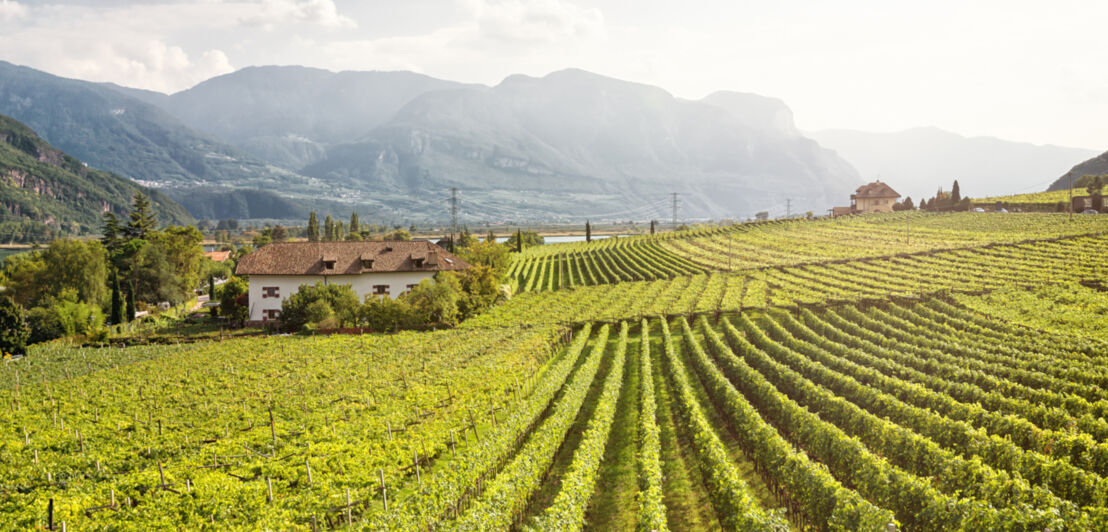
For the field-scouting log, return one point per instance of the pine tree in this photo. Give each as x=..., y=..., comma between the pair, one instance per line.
x=143, y=220
x=329, y=229
x=112, y=231
x=588, y=231
x=313, y=228
x=955, y=194
x=117, y=302
x=355, y=224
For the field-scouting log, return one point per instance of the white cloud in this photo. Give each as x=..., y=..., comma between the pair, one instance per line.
x=535, y=21
x=272, y=13
x=11, y=10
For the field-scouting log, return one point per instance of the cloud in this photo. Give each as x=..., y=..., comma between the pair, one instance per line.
x=11, y=10
x=272, y=13
x=535, y=21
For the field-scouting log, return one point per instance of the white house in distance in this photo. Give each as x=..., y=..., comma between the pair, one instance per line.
x=380, y=268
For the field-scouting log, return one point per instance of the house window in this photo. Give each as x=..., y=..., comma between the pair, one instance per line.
x=328, y=265
x=380, y=289
x=367, y=264
x=410, y=287
x=270, y=314
x=418, y=263
x=271, y=291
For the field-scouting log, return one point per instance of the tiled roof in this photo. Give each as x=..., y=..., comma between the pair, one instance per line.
x=876, y=189
x=348, y=258
x=218, y=256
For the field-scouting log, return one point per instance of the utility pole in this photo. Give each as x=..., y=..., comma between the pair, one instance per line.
x=674, y=194
x=788, y=207
x=453, y=212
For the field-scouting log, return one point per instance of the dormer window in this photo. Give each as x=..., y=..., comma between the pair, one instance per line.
x=418, y=262
x=387, y=249
x=328, y=265
x=367, y=264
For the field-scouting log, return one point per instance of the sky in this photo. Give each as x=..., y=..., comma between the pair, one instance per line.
x=1018, y=70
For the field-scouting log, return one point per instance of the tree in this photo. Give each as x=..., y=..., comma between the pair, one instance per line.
x=908, y=205
x=465, y=239
x=1096, y=185
x=651, y=227
x=181, y=247
x=437, y=299
x=261, y=240
x=588, y=231
x=14, y=331
x=399, y=234
x=487, y=253
x=143, y=220
x=307, y=305
x=278, y=234
x=328, y=229
x=480, y=289
x=112, y=231
x=387, y=314
x=229, y=294
x=116, y=316
x=955, y=194
x=131, y=310
x=211, y=295
x=313, y=228
x=529, y=239
x=355, y=224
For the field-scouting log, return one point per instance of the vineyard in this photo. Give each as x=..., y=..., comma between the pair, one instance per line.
x=779, y=243
x=832, y=376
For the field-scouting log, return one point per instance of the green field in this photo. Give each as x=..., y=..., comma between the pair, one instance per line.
x=826, y=375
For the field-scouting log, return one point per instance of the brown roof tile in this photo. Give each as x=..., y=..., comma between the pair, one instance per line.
x=307, y=258
x=876, y=189
x=218, y=256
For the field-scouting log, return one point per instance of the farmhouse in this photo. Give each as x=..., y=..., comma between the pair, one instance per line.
x=873, y=197
x=379, y=268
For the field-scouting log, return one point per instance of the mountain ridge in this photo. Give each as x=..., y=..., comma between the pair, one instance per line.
x=46, y=193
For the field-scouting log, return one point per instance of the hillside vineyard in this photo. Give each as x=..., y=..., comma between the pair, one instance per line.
x=884, y=372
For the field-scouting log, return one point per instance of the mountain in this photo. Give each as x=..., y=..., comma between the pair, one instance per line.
x=916, y=162
x=46, y=193
x=1094, y=166
x=574, y=144
x=288, y=115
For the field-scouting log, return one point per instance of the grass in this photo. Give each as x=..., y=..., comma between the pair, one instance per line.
x=687, y=504
x=613, y=505
x=552, y=482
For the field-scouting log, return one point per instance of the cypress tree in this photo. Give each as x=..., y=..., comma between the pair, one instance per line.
x=313, y=228
x=955, y=195
x=131, y=303
x=651, y=227
x=117, y=302
x=519, y=241
x=588, y=232
x=329, y=229
x=211, y=294
x=355, y=224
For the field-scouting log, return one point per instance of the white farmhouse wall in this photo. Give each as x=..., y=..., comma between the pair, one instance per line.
x=287, y=285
